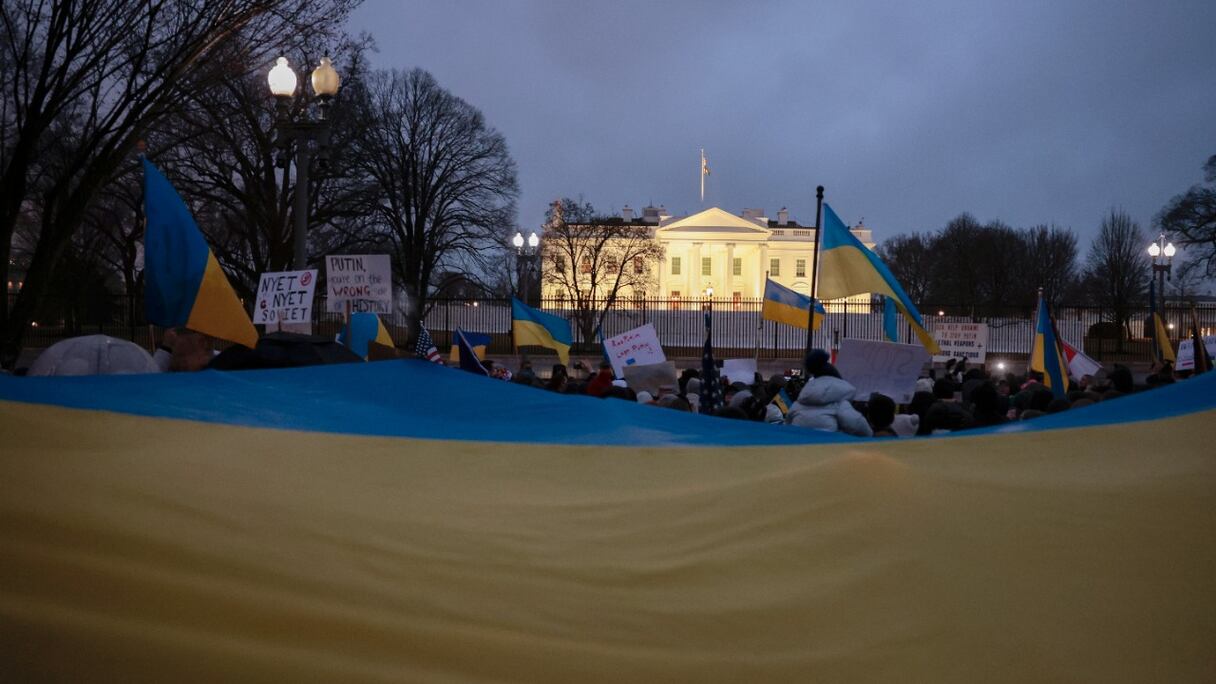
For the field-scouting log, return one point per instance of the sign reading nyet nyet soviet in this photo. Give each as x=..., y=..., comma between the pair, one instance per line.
x=363, y=280
x=961, y=341
x=285, y=297
x=639, y=347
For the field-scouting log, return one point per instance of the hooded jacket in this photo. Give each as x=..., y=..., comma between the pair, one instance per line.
x=824, y=405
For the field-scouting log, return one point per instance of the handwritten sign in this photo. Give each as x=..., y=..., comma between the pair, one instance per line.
x=1186, y=352
x=364, y=280
x=961, y=341
x=652, y=377
x=285, y=297
x=637, y=347
x=883, y=367
x=739, y=370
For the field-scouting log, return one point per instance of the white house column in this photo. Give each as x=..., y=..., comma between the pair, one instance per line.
x=730, y=270
x=664, y=266
x=763, y=269
x=694, y=271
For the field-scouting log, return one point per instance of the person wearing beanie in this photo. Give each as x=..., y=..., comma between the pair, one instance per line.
x=881, y=413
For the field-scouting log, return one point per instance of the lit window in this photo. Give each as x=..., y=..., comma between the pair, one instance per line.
x=736, y=266
x=707, y=266
x=639, y=266
x=774, y=267
x=800, y=268
x=675, y=270
x=586, y=264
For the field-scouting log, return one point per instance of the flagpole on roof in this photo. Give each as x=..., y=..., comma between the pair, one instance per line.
x=810, y=328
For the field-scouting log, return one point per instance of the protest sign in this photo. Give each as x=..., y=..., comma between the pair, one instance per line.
x=739, y=370
x=883, y=367
x=1186, y=352
x=637, y=347
x=961, y=341
x=285, y=297
x=364, y=280
x=651, y=377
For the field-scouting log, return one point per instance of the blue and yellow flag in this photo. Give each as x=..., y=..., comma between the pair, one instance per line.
x=469, y=361
x=1048, y=356
x=782, y=401
x=185, y=285
x=786, y=306
x=847, y=267
x=478, y=342
x=890, y=320
x=1162, y=349
x=364, y=328
x=533, y=326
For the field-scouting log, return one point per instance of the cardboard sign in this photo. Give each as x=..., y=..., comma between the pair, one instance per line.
x=637, y=347
x=739, y=370
x=651, y=377
x=364, y=280
x=962, y=341
x=1186, y=352
x=883, y=367
x=285, y=297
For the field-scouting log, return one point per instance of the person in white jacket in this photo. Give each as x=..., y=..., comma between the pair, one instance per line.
x=823, y=404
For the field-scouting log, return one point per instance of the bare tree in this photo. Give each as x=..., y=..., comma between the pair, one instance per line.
x=956, y=273
x=444, y=181
x=1190, y=218
x=910, y=259
x=1116, y=267
x=1050, y=262
x=592, y=260
x=101, y=73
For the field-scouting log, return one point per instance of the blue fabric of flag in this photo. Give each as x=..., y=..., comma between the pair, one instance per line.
x=468, y=358
x=890, y=320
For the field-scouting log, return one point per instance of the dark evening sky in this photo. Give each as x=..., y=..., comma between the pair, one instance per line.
x=910, y=113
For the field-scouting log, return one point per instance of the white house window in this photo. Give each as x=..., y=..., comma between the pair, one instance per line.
x=774, y=267
x=800, y=268
x=707, y=266
x=736, y=266
x=675, y=266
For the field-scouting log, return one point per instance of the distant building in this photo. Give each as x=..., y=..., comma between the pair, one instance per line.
x=727, y=252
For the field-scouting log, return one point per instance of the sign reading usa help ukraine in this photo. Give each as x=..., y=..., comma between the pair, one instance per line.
x=961, y=341
x=364, y=280
x=285, y=297
x=637, y=347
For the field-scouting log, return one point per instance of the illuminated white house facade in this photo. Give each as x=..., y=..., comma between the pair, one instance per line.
x=728, y=255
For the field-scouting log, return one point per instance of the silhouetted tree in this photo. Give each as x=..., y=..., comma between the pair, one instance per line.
x=1116, y=268
x=1190, y=219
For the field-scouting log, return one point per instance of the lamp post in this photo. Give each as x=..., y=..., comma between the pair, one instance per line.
x=1162, y=253
x=528, y=255
x=305, y=133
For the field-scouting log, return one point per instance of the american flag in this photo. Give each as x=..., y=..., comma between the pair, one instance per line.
x=425, y=348
x=711, y=387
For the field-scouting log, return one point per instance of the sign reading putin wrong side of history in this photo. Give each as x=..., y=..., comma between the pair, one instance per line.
x=961, y=341
x=363, y=280
x=285, y=297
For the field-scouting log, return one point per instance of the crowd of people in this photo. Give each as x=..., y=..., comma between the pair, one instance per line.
x=950, y=398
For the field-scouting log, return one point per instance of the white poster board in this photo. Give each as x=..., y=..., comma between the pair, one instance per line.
x=739, y=370
x=285, y=298
x=883, y=367
x=637, y=347
x=961, y=341
x=1186, y=352
x=364, y=280
x=651, y=377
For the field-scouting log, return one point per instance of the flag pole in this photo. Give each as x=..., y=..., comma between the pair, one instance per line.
x=810, y=321
x=702, y=174
x=760, y=324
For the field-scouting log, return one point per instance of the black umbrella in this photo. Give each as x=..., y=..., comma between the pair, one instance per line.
x=284, y=350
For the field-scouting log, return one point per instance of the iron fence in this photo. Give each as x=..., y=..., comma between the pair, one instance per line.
x=738, y=326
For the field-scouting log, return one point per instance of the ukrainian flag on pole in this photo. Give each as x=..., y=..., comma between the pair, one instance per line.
x=1048, y=357
x=533, y=326
x=848, y=268
x=786, y=306
x=185, y=285
x=1162, y=348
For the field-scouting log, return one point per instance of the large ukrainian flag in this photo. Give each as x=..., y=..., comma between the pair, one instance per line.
x=847, y=267
x=786, y=306
x=1048, y=357
x=533, y=326
x=184, y=284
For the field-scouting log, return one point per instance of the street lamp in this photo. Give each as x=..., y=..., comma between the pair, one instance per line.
x=305, y=133
x=1162, y=253
x=527, y=257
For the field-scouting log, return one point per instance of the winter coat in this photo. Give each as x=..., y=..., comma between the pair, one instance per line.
x=824, y=405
